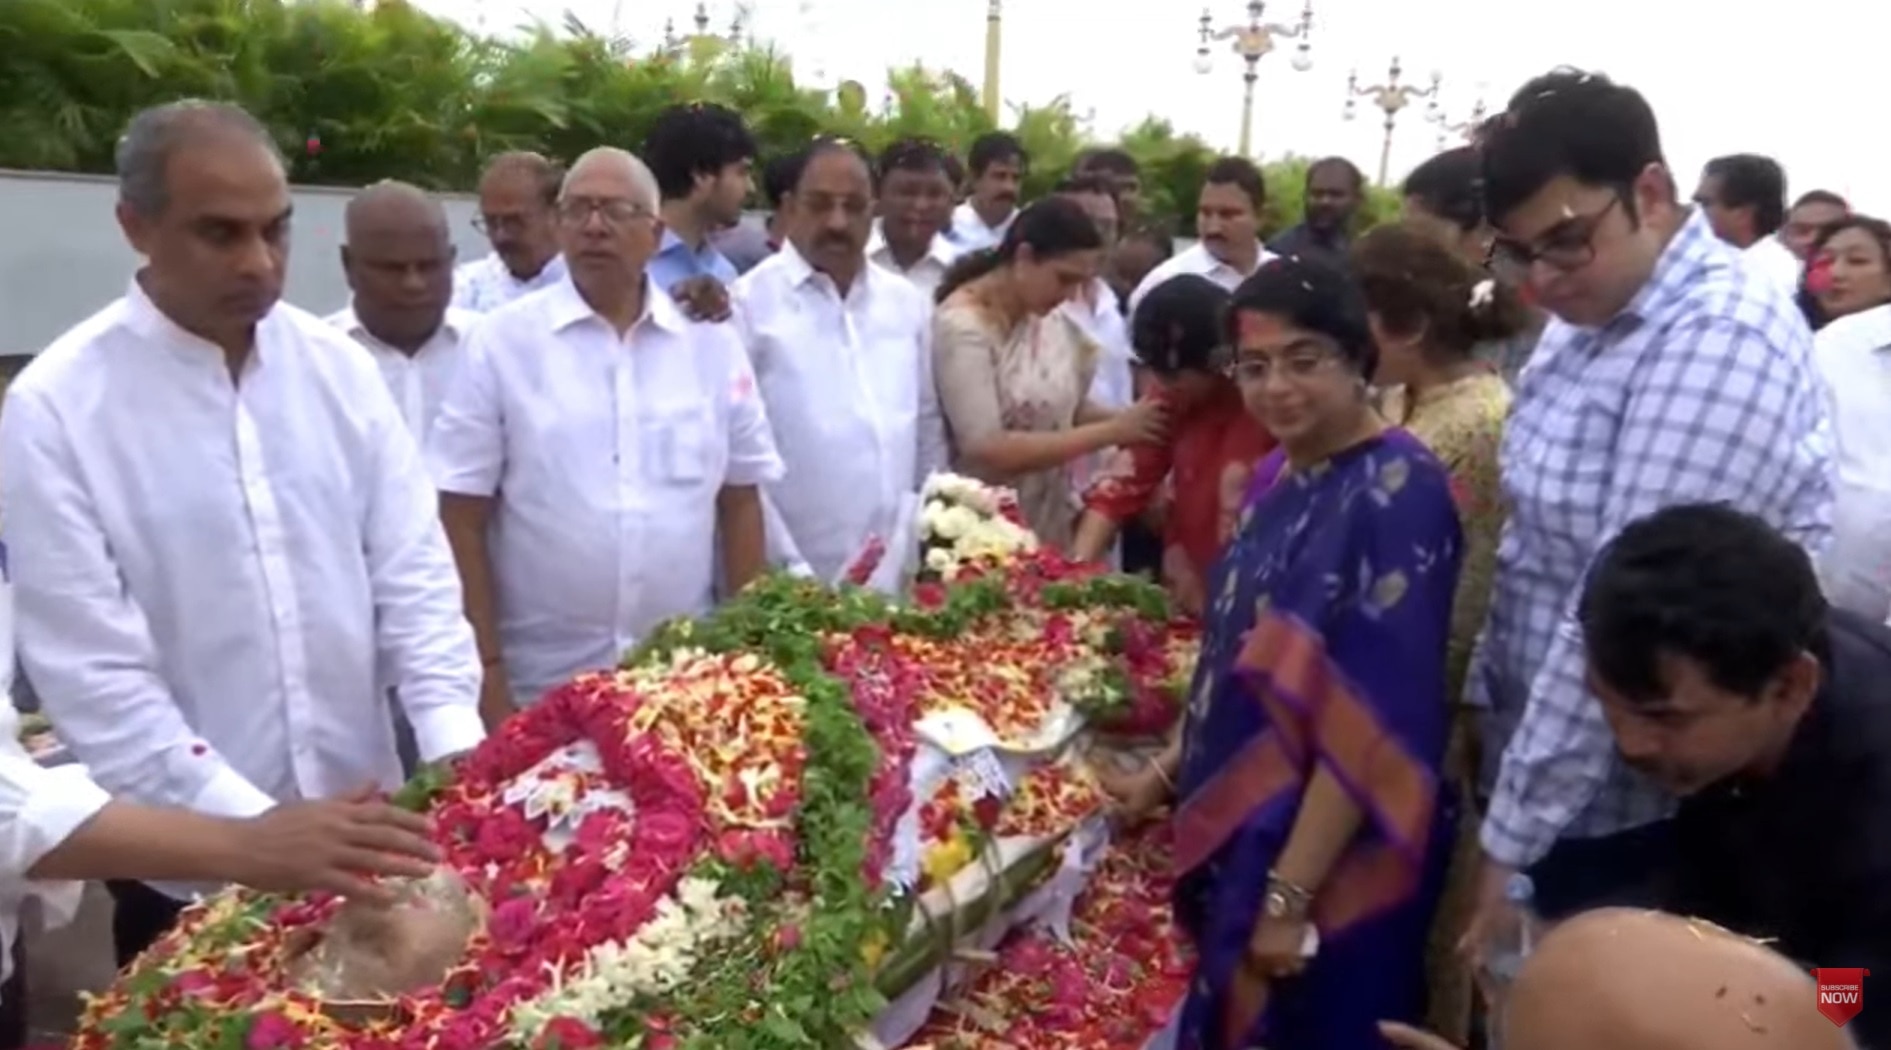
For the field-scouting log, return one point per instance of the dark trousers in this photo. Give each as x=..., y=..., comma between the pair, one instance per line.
x=1624, y=870
x=140, y=915
x=1142, y=550
x=13, y=1010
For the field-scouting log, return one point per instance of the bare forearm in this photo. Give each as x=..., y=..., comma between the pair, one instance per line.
x=1091, y=412
x=739, y=521
x=1015, y=452
x=1328, y=820
x=129, y=841
x=1094, y=534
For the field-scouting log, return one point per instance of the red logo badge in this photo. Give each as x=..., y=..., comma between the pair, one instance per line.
x=1841, y=992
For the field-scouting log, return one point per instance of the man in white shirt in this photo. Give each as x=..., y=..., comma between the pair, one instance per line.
x=217, y=520
x=597, y=452
x=915, y=206
x=398, y=259
x=1853, y=356
x=998, y=164
x=1228, y=221
x=841, y=351
x=1744, y=196
x=517, y=197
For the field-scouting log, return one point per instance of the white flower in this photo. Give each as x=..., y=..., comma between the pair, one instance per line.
x=939, y=559
x=956, y=522
x=1482, y=293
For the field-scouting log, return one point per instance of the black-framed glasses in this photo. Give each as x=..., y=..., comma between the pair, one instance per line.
x=1570, y=245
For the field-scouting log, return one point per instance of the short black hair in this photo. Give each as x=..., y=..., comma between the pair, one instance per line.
x=836, y=144
x=1750, y=180
x=780, y=175
x=1352, y=170
x=1312, y=295
x=1094, y=185
x=1448, y=185
x=1239, y=172
x=919, y=155
x=995, y=147
x=1822, y=197
x=1567, y=123
x=700, y=138
x=1706, y=582
x=1108, y=160
x=1177, y=327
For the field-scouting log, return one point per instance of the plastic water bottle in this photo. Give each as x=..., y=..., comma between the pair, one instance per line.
x=1504, y=953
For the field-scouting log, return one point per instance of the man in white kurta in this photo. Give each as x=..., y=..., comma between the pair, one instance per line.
x=399, y=263
x=597, y=452
x=842, y=353
x=216, y=519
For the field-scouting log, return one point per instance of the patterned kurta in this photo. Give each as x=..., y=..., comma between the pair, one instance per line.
x=1034, y=377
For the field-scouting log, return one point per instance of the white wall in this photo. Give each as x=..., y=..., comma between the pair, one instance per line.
x=62, y=256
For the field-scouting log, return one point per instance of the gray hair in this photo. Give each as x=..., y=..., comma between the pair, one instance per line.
x=154, y=135
x=641, y=178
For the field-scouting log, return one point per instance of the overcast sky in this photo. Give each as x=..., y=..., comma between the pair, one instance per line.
x=1722, y=77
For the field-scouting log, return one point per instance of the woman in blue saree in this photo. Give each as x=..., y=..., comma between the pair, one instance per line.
x=1312, y=824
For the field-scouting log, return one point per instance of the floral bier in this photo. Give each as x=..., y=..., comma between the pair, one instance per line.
x=808, y=820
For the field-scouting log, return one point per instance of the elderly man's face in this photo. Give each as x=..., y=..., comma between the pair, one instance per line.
x=219, y=248
x=607, y=223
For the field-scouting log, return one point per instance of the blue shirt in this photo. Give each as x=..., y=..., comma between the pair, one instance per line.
x=1702, y=390
x=676, y=262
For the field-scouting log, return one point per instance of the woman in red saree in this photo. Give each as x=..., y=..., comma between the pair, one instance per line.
x=1211, y=450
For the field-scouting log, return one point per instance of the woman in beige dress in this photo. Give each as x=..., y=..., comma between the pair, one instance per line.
x=1014, y=372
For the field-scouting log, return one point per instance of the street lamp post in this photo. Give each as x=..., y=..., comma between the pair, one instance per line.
x=737, y=24
x=1252, y=42
x=994, y=47
x=1460, y=132
x=1390, y=97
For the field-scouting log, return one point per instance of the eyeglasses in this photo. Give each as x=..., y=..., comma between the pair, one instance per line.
x=1300, y=362
x=1568, y=246
x=616, y=213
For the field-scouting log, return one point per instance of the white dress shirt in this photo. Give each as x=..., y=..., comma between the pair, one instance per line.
x=39, y=809
x=207, y=570
x=418, y=380
x=1853, y=356
x=1197, y=259
x=605, y=454
x=848, y=385
x=485, y=284
x=970, y=233
x=1777, y=263
x=926, y=273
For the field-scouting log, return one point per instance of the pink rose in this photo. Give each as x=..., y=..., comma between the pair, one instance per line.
x=512, y=922
x=272, y=1031
x=568, y=1033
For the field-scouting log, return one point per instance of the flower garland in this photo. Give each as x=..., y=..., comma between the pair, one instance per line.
x=733, y=898
x=1113, y=987
x=963, y=522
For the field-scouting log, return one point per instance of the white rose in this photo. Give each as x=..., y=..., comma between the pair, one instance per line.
x=956, y=522
x=939, y=559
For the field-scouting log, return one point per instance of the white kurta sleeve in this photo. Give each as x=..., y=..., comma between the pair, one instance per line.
x=82, y=638
x=752, y=456
x=466, y=448
x=426, y=645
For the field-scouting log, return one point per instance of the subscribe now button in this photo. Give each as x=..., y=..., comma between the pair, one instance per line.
x=1841, y=992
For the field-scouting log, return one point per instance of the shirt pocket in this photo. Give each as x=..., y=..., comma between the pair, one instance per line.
x=677, y=446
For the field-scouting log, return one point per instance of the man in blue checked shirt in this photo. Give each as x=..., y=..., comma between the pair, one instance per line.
x=1669, y=374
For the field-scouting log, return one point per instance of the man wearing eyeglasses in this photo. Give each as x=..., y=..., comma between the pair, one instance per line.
x=597, y=453
x=517, y=197
x=1669, y=374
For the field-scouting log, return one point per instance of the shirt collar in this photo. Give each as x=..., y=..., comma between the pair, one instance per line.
x=144, y=318
x=1684, y=254
x=567, y=307
x=939, y=251
x=455, y=323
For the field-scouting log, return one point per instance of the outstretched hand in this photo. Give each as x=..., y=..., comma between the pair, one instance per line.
x=340, y=845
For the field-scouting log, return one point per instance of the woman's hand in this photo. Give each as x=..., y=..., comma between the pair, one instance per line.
x=1276, y=947
x=1144, y=423
x=1137, y=793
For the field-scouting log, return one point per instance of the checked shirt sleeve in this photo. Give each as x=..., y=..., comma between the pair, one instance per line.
x=1713, y=415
